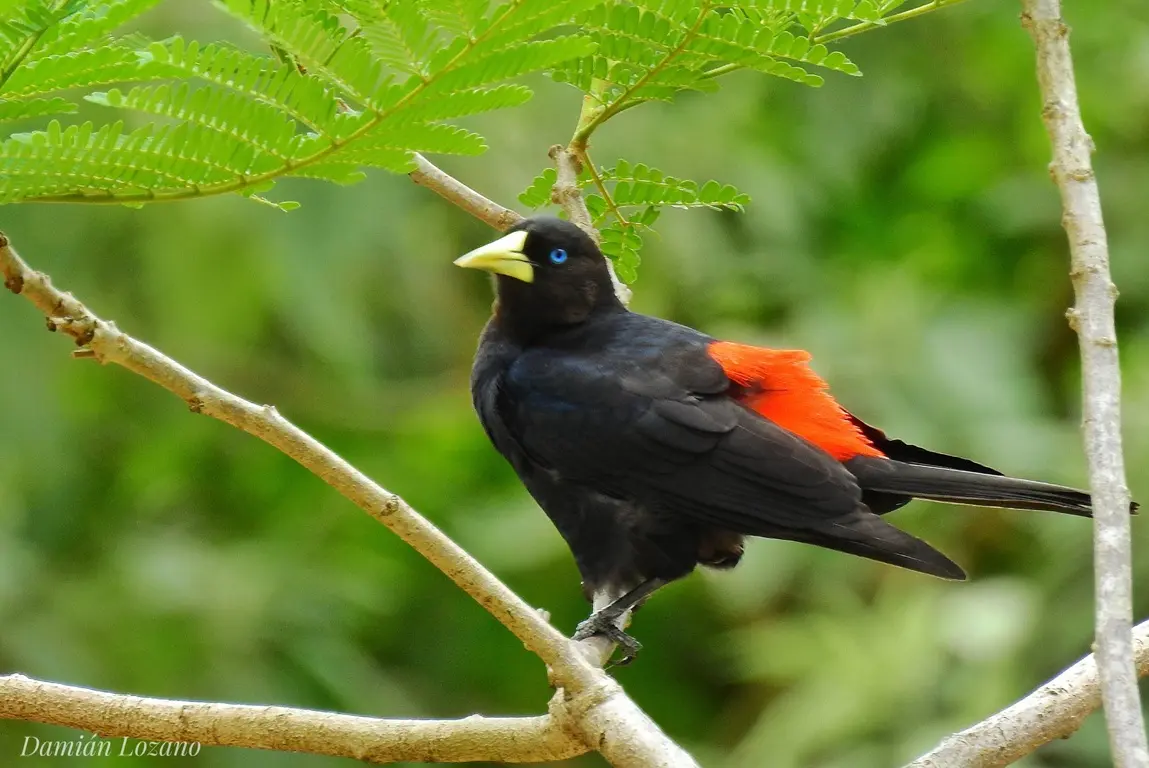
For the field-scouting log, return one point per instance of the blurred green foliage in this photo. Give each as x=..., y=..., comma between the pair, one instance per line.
x=902, y=228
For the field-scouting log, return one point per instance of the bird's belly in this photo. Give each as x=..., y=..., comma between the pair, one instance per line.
x=620, y=543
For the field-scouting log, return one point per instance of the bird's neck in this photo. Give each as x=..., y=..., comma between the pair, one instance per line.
x=530, y=329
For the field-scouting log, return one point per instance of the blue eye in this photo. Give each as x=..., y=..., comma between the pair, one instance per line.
x=558, y=256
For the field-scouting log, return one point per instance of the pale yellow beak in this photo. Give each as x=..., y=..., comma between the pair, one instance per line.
x=503, y=257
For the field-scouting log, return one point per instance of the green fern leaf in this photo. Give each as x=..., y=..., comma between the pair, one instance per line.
x=626, y=33
x=420, y=137
x=263, y=127
x=337, y=172
x=824, y=10
x=80, y=69
x=788, y=45
x=394, y=160
x=19, y=110
x=583, y=72
x=679, y=12
x=91, y=22
x=81, y=162
x=399, y=34
x=302, y=96
x=642, y=52
x=469, y=102
x=538, y=193
x=460, y=17
x=654, y=49
x=641, y=185
x=283, y=205
x=596, y=207
x=731, y=38
x=664, y=83
x=23, y=28
x=889, y=6
x=521, y=20
x=647, y=216
x=867, y=10
x=513, y=62
x=622, y=244
x=716, y=195
x=318, y=41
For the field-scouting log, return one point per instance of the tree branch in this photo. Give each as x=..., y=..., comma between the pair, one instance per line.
x=487, y=739
x=1092, y=318
x=1053, y=711
x=459, y=194
x=603, y=716
x=566, y=193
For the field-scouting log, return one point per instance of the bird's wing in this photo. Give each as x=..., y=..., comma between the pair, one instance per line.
x=779, y=385
x=668, y=427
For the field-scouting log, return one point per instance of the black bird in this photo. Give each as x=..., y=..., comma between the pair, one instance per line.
x=654, y=448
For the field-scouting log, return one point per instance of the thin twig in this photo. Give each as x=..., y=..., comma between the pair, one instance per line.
x=566, y=192
x=1092, y=318
x=584, y=158
x=1053, y=711
x=866, y=26
x=459, y=194
x=595, y=707
x=286, y=729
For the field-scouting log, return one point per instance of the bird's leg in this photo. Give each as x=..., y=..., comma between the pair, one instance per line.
x=629, y=600
x=605, y=621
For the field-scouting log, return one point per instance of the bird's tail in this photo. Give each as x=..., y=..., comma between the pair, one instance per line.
x=867, y=535
x=959, y=486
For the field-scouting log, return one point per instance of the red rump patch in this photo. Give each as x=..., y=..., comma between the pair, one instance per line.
x=780, y=385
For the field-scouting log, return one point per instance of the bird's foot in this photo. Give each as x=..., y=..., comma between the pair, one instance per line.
x=601, y=624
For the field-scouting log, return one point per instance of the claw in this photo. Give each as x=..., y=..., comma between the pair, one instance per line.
x=602, y=624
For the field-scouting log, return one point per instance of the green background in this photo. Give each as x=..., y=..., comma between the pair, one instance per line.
x=903, y=228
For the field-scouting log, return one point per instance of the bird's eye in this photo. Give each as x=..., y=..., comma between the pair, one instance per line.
x=558, y=256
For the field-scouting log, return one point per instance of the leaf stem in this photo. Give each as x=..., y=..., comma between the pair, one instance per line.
x=584, y=157
x=26, y=48
x=866, y=26
x=587, y=127
x=850, y=31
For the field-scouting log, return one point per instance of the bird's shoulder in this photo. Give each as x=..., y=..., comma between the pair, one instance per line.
x=626, y=352
x=640, y=407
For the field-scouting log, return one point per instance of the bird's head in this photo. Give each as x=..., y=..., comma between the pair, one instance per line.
x=549, y=274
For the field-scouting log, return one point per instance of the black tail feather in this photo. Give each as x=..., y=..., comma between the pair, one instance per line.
x=915, y=472
x=913, y=454
x=865, y=534
x=887, y=476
